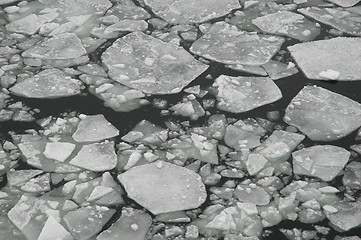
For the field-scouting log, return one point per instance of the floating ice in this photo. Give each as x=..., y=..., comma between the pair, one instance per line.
x=252, y=194
x=96, y=157
x=162, y=187
x=242, y=94
x=59, y=151
x=94, y=128
x=150, y=65
x=288, y=24
x=322, y=161
x=345, y=3
x=50, y=83
x=226, y=44
x=61, y=50
x=54, y=230
x=346, y=217
x=352, y=176
x=188, y=11
x=126, y=9
x=28, y=25
x=132, y=224
x=311, y=109
x=333, y=59
x=338, y=18
x=86, y=222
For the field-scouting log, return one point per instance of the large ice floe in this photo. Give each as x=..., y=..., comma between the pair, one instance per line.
x=333, y=59
x=150, y=65
x=310, y=112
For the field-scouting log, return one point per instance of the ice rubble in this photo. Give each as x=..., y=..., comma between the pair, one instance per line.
x=82, y=142
x=241, y=94
x=164, y=187
x=241, y=47
x=310, y=112
x=333, y=59
x=184, y=12
x=150, y=65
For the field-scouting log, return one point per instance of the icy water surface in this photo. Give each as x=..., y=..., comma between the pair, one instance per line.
x=150, y=119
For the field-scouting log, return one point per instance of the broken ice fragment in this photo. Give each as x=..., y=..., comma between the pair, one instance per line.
x=352, y=176
x=96, y=157
x=242, y=94
x=19, y=177
x=54, y=230
x=340, y=18
x=322, y=161
x=59, y=151
x=28, y=25
x=162, y=187
x=188, y=11
x=345, y=3
x=333, y=59
x=348, y=215
x=239, y=138
x=132, y=224
x=60, y=50
x=277, y=70
x=288, y=24
x=50, y=83
x=226, y=44
x=171, y=70
x=255, y=163
x=94, y=128
x=128, y=26
x=252, y=194
x=126, y=9
x=310, y=112
x=86, y=222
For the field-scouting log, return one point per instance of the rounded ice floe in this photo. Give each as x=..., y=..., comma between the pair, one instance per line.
x=332, y=59
x=190, y=11
x=242, y=94
x=162, y=187
x=50, y=83
x=148, y=64
x=345, y=3
x=323, y=115
x=226, y=44
x=322, y=161
x=94, y=128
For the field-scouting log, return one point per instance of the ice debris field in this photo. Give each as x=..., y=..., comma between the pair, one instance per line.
x=180, y=119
